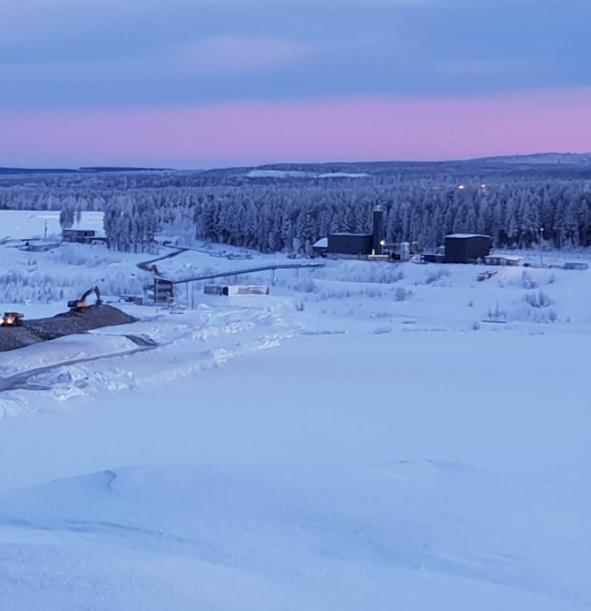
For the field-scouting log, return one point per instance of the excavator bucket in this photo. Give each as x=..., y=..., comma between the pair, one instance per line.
x=82, y=303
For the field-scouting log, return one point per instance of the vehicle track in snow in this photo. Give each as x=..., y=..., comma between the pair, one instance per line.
x=22, y=380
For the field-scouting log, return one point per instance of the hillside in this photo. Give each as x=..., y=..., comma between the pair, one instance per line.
x=551, y=163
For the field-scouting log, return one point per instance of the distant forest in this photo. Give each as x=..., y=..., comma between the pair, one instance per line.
x=517, y=208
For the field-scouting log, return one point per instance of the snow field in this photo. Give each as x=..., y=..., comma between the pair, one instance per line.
x=23, y=224
x=270, y=537
x=362, y=439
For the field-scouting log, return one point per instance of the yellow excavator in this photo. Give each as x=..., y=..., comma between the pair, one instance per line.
x=79, y=305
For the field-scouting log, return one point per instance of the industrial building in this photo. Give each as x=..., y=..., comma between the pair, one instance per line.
x=459, y=247
x=80, y=236
x=350, y=243
x=466, y=247
x=234, y=290
x=161, y=292
x=355, y=244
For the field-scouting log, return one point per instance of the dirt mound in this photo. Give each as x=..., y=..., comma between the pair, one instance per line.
x=69, y=323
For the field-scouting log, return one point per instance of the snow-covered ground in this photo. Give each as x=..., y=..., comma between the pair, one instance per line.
x=370, y=436
x=38, y=223
x=303, y=174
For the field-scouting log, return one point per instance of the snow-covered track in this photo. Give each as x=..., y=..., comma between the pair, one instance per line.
x=147, y=266
x=25, y=380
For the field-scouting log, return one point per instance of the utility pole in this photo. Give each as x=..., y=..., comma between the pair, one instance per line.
x=541, y=237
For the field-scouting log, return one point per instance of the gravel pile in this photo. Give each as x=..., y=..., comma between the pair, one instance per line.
x=69, y=323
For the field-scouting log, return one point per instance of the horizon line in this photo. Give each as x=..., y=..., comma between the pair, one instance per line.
x=163, y=168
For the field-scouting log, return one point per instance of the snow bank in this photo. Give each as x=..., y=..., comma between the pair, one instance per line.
x=62, y=350
x=411, y=535
x=174, y=345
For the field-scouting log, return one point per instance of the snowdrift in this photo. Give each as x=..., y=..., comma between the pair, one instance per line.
x=69, y=323
x=408, y=535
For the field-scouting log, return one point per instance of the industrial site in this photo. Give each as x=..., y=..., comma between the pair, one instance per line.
x=365, y=351
x=335, y=390
x=295, y=305
x=165, y=284
x=353, y=283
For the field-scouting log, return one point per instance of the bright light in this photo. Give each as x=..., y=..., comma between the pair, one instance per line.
x=383, y=243
x=484, y=186
x=462, y=187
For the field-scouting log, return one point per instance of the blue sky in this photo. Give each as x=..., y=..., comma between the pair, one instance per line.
x=57, y=55
x=129, y=52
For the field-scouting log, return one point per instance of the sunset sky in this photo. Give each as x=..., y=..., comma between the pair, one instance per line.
x=201, y=83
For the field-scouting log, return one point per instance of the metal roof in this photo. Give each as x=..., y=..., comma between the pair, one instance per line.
x=466, y=235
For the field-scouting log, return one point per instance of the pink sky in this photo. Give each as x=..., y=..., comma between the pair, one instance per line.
x=364, y=128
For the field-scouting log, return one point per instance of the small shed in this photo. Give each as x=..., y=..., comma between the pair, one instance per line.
x=235, y=290
x=466, y=247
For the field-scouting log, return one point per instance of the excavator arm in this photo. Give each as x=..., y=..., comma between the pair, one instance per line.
x=82, y=303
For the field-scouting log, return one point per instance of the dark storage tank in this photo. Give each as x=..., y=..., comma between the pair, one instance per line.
x=378, y=230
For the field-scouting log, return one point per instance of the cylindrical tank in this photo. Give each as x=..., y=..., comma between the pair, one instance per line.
x=378, y=230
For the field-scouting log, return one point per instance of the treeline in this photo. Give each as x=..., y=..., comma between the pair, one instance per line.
x=291, y=215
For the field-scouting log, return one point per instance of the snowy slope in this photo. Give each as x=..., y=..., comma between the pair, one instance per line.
x=370, y=436
x=577, y=159
x=303, y=174
x=257, y=537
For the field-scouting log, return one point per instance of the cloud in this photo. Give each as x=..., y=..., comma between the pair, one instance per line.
x=491, y=68
x=117, y=53
x=234, y=54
